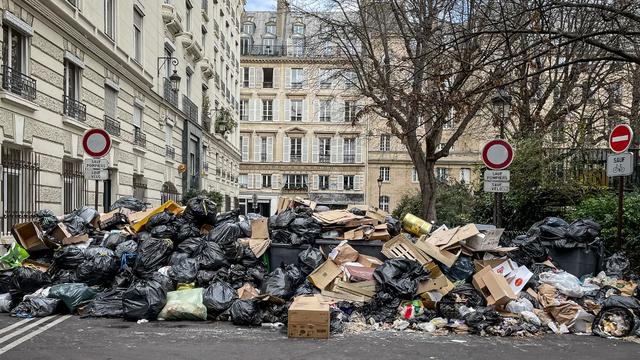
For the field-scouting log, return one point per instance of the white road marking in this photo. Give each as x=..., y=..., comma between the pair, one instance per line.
x=19, y=341
x=620, y=138
x=15, y=325
x=25, y=328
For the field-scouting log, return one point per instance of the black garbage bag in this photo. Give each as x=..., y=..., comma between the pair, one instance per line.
x=219, y=297
x=245, y=312
x=228, y=217
x=394, y=226
x=619, y=317
x=306, y=288
x=482, y=318
x=549, y=230
x=191, y=246
x=185, y=271
x=153, y=253
x=382, y=308
x=64, y=276
x=225, y=235
x=201, y=210
x=144, y=299
x=357, y=211
x=530, y=250
x=204, y=277
x=106, y=304
x=462, y=269
x=127, y=247
x=617, y=264
x=236, y=275
x=295, y=274
x=187, y=231
x=164, y=231
x=399, y=277
x=245, y=227
x=306, y=228
x=36, y=306
x=462, y=295
x=72, y=295
x=278, y=283
x=283, y=219
x=68, y=257
x=309, y=259
x=246, y=257
x=583, y=231
x=75, y=224
x=5, y=281
x=537, y=269
x=129, y=202
x=47, y=219
x=161, y=218
x=26, y=280
x=87, y=213
x=99, y=267
x=281, y=236
x=113, y=240
x=321, y=208
x=211, y=257
x=177, y=257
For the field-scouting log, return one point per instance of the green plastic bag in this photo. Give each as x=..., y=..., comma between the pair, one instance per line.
x=184, y=305
x=72, y=294
x=14, y=257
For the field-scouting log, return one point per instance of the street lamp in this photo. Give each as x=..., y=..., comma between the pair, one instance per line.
x=502, y=107
x=379, y=188
x=174, y=78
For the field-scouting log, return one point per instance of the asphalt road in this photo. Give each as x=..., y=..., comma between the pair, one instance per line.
x=70, y=337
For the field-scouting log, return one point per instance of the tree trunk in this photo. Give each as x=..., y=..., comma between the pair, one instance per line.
x=427, y=179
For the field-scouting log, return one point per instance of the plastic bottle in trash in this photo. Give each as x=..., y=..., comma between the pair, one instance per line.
x=415, y=225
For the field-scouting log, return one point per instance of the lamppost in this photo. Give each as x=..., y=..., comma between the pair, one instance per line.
x=379, y=188
x=174, y=78
x=502, y=110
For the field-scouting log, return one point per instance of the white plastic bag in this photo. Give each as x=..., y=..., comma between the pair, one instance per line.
x=5, y=302
x=531, y=318
x=564, y=282
x=520, y=305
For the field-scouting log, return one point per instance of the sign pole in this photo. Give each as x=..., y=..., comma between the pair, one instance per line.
x=620, y=209
x=96, y=196
x=620, y=165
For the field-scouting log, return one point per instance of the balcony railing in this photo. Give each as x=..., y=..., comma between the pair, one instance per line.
x=190, y=109
x=267, y=84
x=296, y=158
x=349, y=159
x=139, y=138
x=74, y=108
x=170, y=152
x=170, y=95
x=287, y=50
x=18, y=83
x=325, y=158
x=205, y=166
x=325, y=118
x=111, y=125
x=264, y=50
x=295, y=187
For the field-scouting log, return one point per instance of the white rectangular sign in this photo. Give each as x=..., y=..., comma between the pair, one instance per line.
x=91, y=174
x=497, y=175
x=496, y=186
x=620, y=164
x=96, y=169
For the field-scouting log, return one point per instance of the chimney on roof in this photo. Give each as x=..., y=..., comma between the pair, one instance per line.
x=283, y=6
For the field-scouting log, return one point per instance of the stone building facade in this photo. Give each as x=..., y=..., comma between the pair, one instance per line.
x=68, y=66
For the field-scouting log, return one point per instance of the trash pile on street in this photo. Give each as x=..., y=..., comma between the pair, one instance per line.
x=317, y=271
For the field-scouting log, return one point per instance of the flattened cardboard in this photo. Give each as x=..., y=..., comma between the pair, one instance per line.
x=369, y=261
x=259, y=229
x=247, y=292
x=479, y=264
x=446, y=256
x=343, y=253
x=484, y=242
x=363, y=288
x=358, y=273
x=324, y=275
x=309, y=317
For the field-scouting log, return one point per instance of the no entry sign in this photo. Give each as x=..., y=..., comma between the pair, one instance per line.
x=620, y=138
x=96, y=143
x=497, y=154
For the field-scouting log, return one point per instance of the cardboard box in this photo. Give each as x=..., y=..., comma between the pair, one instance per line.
x=64, y=237
x=31, y=237
x=343, y=253
x=358, y=273
x=309, y=317
x=324, y=275
x=484, y=242
x=480, y=264
x=444, y=245
x=247, y=292
x=506, y=267
x=493, y=287
x=355, y=234
x=369, y=261
x=259, y=229
x=519, y=278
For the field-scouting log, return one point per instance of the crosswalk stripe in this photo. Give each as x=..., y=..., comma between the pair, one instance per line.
x=15, y=325
x=25, y=328
x=19, y=341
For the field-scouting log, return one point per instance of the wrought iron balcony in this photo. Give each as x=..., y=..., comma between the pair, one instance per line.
x=18, y=83
x=263, y=50
x=170, y=152
x=205, y=166
x=296, y=187
x=170, y=95
x=139, y=138
x=296, y=158
x=349, y=159
x=190, y=109
x=325, y=158
x=267, y=84
x=111, y=125
x=74, y=108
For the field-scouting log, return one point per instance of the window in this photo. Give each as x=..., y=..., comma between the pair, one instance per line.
x=137, y=118
x=15, y=50
x=267, y=78
x=323, y=182
x=71, y=80
x=351, y=79
x=137, y=35
x=385, y=173
x=110, y=102
x=295, y=181
x=324, y=112
x=324, y=150
x=348, y=180
x=21, y=186
x=245, y=77
x=383, y=203
x=204, y=39
x=414, y=175
x=73, y=3
x=298, y=47
x=296, y=149
x=244, y=105
x=271, y=28
x=109, y=18
x=243, y=180
x=244, y=147
x=442, y=174
x=327, y=48
x=298, y=29
x=267, y=110
x=442, y=145
x=247, y=28
x=449, y=124
x=385, y=142
x=188, y=17
x=245, y=46
x=263, y=149
x=349, y=151
x=266, y=180
x=139, y=187
x=325, y=78
x=297, y=78
x=267, y=46
x=350, y=111
x=465, y=176
x=74, y=185
x=189, y=82
x=296, y=110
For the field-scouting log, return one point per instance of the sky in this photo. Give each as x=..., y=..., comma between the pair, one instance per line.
x=260, y=5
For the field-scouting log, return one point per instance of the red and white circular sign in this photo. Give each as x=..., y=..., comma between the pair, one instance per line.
x=96, y=143
x=497, y=154
x=620, y=138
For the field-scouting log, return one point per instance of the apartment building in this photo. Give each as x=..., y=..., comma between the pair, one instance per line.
x=299, y=131
x=161, y=77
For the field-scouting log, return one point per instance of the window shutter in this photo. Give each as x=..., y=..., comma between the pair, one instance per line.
x=340, y=152
x=340, y=181
x=316, y=110
x=287, y=78
x=270, y=149
x=304, y=149
x=286, y=150
x=304, y=110
x=275, y=179
x=259, y=77
x=250, y=113
x=258, y=109
x=315, y=150
x=334, y=150
x=250, y=181
x=245, y=148
x=357, y=182
x=305, y=78
x=315, y=182
x=276, y=109
x=276, y=77
x=333, y=182
x=287, y=110
x=256, y=148
x=358, y=150
x=337, y=111
x=252, y=77
x=258, y=178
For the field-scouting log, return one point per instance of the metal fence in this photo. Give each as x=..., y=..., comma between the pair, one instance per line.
x=20, y=186
x=75, y=186
x=169, y=192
